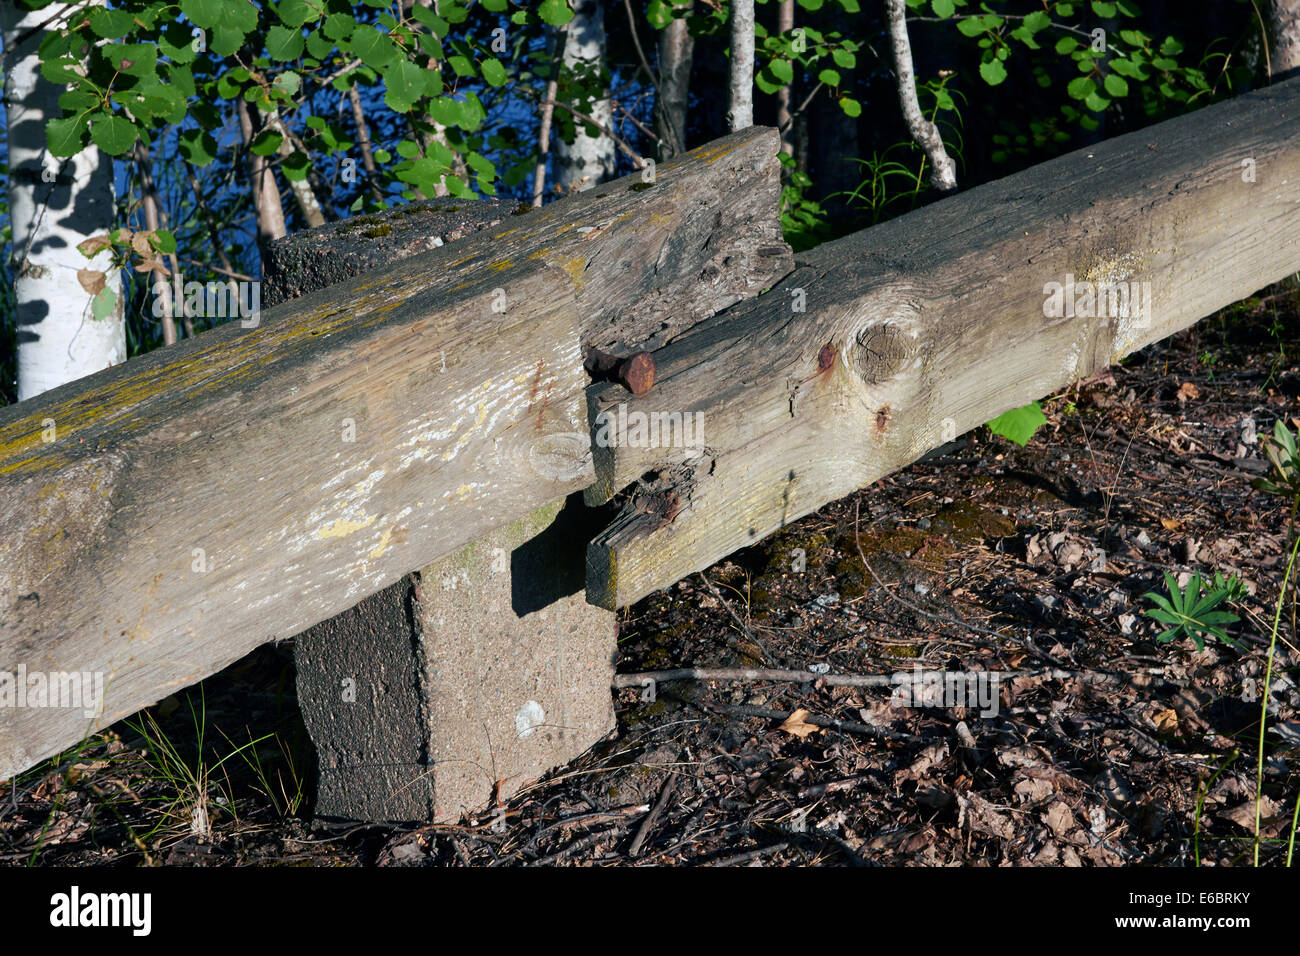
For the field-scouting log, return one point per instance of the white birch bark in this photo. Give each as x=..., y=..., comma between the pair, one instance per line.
x=943, y=172
x=59, y=339
x=740, y=98
x=1284, y=37
x=588, y=159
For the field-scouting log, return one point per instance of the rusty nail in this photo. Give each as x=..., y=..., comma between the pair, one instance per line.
x=636, y=372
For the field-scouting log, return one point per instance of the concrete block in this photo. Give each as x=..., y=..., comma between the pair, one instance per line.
x=464, y=681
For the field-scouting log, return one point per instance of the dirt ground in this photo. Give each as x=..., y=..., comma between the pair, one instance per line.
x=1106, y=748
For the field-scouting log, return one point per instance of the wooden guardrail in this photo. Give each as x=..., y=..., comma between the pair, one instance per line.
x=164, y=517
x=890, y=342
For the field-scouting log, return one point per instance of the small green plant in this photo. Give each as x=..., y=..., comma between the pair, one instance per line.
x=1281, y=451
x=1190, y=611
x=1019, y=424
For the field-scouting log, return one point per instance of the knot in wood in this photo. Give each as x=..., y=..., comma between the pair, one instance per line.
x=883, y=351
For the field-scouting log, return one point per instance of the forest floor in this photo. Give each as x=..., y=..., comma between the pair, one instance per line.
x=989, y=557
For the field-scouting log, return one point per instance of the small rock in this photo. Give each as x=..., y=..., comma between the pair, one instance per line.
x=920, y=587
x=1143, y=539
x=923, y=524
x=822, y=668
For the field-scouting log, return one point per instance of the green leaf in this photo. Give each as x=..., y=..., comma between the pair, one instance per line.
x=265, y=143
x=319, y=45
x=658, y=14
x=971, y=26
x=112, y=133
x=110, y=24
x=404, y=84
x=339, y=26
x=461, y=65
x=555, y=12
x=296, y=13
x=198, y=146
x=373, y=48
x=296, y=166
x=494, y=72
x=1096, y=102
x=103, y=304
x=829, y=77
x=851, y=107
x=133, y=59
x=288, y=83
x=1019, y=424
x=1038, y=20
x=845, y=59
x=1116, y=86
x=284, y=43
x=782, y=70
x=766, y=82
x=1103, y=9
x=943, y=8
x=174, y=42
x=993, y=72
x=430, y=19
x=66, y=137
x=1081, y=88
x=164, y=241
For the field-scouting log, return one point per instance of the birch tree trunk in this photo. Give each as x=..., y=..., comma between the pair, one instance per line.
x=153, y=221
x=308, y=205
x=588, y=159
x=784, y=116
x=54, y=205
x=740, y=98
x=261, y=180
x=943, y=172
x=676, y=53
x=1284, y=37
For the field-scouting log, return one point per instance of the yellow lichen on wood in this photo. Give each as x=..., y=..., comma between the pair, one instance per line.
x=343, y=527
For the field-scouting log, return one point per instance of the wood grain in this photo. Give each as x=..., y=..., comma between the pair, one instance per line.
x=248, y=483
x=933, y=323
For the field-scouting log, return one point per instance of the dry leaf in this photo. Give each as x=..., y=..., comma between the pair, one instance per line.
x=982, y=817
x=1188, y=391
x=1060, y=818
x=89, y=247
x=795, y=724
x=149, y=265
x=1171, y=524
x=92, y=280
x=1166, y=721
x=140, y=243
x=1244, y=816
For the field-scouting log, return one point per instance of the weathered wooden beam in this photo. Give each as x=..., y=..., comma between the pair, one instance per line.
x=164, y=517
x=648, y=254
x=933, y=323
